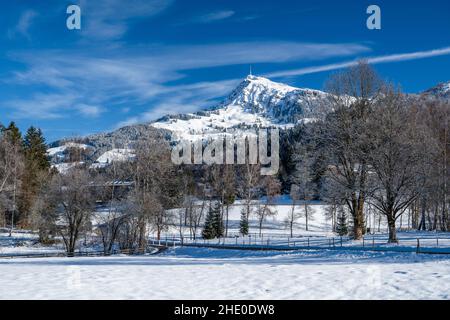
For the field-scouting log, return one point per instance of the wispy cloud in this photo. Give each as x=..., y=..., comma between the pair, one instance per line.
x=214, y=16
x=372, y=60
x=23, y=25
x=89, y=110
x=110, y=19
x=96, y=83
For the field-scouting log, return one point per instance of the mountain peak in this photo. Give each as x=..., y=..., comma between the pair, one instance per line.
x=442, y=90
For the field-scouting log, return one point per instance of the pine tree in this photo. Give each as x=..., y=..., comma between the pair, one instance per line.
x=243, y=224
x=218, y=221
x=209, y=231
x=341, y=222
x=36, y=149
x=36, y=162
x=13, y=133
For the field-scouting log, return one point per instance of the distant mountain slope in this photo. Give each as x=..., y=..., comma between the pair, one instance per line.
x=101, y=144
x=256, y=102
x=442, y=90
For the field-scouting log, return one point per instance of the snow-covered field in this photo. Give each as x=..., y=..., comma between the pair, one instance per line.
x=24, y=243
x=206, y=273
x=191, y=273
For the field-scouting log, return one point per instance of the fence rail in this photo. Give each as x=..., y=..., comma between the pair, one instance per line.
x=86, y=253
x=418, y=245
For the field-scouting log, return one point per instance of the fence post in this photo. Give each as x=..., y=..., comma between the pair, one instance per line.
x=333, y=242
x=308, y=242
x=418, y=246
x=437, y=242
x=363, y=241
x=373, y=242
x=341, y=241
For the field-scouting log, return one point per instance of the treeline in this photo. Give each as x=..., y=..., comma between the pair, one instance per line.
x=23, y=167
x=375, y=148
x=370, y=151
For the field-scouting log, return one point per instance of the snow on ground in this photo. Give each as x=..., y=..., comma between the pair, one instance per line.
x=192, y=273
x=24, y=243
x=205, y=273
x=59, y=150
x=318, y=225
x=66, y=166
x=116, y=155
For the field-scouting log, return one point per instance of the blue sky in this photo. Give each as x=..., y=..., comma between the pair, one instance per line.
x=136, y=60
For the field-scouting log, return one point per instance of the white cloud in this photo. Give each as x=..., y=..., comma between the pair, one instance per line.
x=42, y=106
x=109, y=19
x=214, y=16
x=372, y=60
x=89, y=110
x=141, y=77
x=23, y=25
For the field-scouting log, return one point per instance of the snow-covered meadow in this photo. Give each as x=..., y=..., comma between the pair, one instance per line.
x=193, y=273
x=207, y=273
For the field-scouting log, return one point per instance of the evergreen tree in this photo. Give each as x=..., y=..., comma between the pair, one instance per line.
x=36, y=149
x=341, y=222
x=209, y=231
x=13, y=133
x=218, y=221
x=36, y=162
x=243, y=224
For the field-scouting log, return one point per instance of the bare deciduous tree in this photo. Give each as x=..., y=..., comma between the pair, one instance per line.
x=353, y=93
x=75, y=203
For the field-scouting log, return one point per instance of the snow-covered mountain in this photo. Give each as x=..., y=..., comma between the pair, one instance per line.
x=442, y=90
x=256, y=102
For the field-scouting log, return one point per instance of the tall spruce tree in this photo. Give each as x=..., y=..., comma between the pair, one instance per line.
x=218, y=220
x=36, y=149
x=209, y=231
x=36, y=162
x=213, y=223
x=341, y=222
x=13, y=133
x=243, y=223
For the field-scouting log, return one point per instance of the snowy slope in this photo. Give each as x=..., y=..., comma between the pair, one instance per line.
x=441, y=90
x=116, y=155
x=256, y=102
x=58, y=152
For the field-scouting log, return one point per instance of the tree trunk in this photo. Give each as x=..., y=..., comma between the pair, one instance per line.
x=306, y=218
x=358, y=224
x=392, y=230
x=226, y=223
x=291, y=226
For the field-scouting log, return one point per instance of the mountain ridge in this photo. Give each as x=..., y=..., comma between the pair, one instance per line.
x=256, y=102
